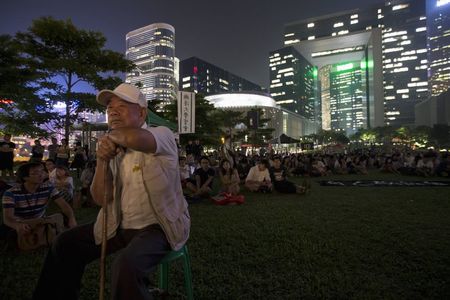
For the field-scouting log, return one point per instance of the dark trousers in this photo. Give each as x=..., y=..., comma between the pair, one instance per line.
x=284, y=186
x=64, y=265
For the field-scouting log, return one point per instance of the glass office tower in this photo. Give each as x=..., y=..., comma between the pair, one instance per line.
x=438, y=23
x=347, y=97
x=292, y=83
x=404, y=52
x=152, y=50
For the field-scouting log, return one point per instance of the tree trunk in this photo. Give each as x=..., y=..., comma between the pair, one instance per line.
x=68, y=106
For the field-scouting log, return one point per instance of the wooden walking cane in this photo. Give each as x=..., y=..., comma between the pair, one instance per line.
x=104, y=235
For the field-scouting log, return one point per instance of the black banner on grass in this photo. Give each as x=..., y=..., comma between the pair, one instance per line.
x=384, y=183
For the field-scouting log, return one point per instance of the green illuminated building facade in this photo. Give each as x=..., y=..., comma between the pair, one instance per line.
x=348, y=105
x=403, y=48
x=340, y=89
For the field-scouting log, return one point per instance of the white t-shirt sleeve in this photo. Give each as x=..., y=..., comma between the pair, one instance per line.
x=165, y=141
x=251, y=175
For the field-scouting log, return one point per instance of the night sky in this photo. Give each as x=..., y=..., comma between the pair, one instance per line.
x=236, y=35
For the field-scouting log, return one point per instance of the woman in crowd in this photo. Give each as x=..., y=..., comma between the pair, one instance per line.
x=229, y=178
x=64, y=183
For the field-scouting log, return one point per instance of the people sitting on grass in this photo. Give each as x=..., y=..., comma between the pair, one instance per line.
x=424, y=166
x=201, y=186
x=28, y=201
x=443, y=168
x=243, y=167
x=278, y=175
x=229, y=180
x=360, y=164
x=185, y=171
x=258, y=178
x=388, y=167
x=318, y=168
x=64, y=182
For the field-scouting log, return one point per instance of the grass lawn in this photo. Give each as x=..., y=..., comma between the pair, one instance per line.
x=336, y=242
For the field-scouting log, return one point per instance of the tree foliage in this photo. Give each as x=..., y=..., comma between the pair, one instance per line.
x=67, y=56
x=22, y=111
x=259, y=136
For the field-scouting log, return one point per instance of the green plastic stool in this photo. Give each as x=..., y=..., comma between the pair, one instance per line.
x=164, y=270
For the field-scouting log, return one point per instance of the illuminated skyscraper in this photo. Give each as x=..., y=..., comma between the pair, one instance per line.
x=403, y=51
x=438, y=23
x=152, y=50
x=292, y=81
x=334, y=81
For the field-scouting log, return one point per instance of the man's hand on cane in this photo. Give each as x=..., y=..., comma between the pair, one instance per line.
x=107, y=149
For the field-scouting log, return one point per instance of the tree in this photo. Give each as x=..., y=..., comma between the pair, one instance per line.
x=67, y=56
x=18, y=95
x=421, y=135
x=259, y=136
x=228, y=120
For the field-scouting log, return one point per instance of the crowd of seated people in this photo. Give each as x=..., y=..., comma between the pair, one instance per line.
x=270, y=172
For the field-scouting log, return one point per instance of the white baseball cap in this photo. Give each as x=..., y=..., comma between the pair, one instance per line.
x=124, y=91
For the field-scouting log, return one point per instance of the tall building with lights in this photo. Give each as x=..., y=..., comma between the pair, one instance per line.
x=202, y=77
x=403, y=50
x=292, y=81
x=335, y=81
x=152, y=50
x=438, y=24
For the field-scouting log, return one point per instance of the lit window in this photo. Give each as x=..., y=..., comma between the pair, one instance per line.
x=393, y=49
x=186, y=85
x=380, y=16
x=442, y=2
x=186, y=78
x=276, y=85
x=355, y=16
x=420, y=29
x=343, y=32
x=403, y=91
x=310, y=25
x=339, y=24
x=311, y=37
x=289, y=34
x=353, y=21
x=288, y=42
x=400, y=6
